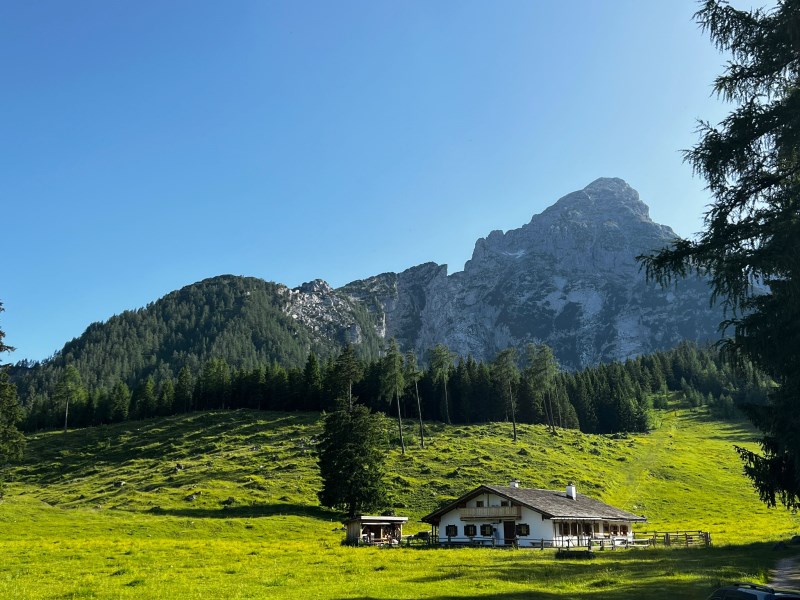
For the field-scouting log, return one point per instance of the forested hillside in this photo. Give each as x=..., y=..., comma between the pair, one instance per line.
x=244, y=321
x=451, y=389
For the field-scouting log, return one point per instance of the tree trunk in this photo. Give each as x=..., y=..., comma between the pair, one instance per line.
x=446, y=405
x=400, y=423
x=513, y=412
x=419, y=412
x=66, y=415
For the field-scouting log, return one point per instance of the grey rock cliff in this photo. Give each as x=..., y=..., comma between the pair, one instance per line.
x=568, y=278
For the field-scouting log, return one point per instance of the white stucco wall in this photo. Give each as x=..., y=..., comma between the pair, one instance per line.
x=540, y=529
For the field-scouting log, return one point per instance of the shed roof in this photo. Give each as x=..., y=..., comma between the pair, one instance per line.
x=376, y=520
x=554, y=505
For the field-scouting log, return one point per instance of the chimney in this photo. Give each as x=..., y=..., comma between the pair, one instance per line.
x=571, y=493
x=514, y=483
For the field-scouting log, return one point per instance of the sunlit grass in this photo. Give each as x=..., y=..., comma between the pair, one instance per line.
x=223, y=505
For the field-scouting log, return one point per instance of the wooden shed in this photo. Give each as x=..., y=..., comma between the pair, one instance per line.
x=375, y=530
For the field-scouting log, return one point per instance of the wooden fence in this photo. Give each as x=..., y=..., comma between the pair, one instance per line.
x=674, y=538
x=641, y=539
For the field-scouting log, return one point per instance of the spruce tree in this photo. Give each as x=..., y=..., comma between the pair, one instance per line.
x=749, y=245
x=351, y=460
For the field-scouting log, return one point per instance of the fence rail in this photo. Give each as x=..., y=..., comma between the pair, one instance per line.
x=641, y=539
x=675, y=538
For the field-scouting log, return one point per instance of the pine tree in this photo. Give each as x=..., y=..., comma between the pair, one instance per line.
x=751, y=162
x=3, y=347
x=69, y=391
x=506, y=374
x=441, y=363
x=348, y=370
x=12, y=442
x=393, y=382
x=351, y=461
x=312, y=383
x=184, y=390
x=120, y=401
x=543, y=370
x=412, y=374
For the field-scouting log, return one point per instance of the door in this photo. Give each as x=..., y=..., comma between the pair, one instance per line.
x=509, y=532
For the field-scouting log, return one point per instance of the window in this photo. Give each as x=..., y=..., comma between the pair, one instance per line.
x=587, y=529
x=470, y=530
x=574, y=528
x=624, y=530
x=478, y=503
x=606, y=528
x=451, y=531
x=523, y=529
x=505, y=503
x=596, y=527
x=486, y=530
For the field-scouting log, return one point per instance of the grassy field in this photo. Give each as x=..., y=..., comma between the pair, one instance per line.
x=223, y=505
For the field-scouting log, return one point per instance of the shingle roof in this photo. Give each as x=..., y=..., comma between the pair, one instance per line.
x=552, y=504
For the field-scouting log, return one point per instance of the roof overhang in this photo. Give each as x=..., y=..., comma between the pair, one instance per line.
x=377, y=520
x=600, y=518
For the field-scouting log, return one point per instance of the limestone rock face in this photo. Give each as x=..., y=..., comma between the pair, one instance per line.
x=326, y=313
x=568, y=278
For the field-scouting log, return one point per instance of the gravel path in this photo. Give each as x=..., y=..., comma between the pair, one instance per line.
x=786, y=575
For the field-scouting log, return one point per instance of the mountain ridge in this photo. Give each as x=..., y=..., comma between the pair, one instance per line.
x=568, y=278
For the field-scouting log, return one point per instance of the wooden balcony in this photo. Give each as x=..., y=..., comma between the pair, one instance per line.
x=491, y=512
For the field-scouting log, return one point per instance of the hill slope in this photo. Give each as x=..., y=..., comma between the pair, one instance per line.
x=245, y=320
x=683, y=475
x=223, y=505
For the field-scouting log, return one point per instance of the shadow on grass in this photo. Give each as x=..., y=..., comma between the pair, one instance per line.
x=85, y=452
x=686, y=574
x=734, y=430
x=250, y=512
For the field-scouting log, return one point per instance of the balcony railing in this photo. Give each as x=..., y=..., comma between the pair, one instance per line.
x=491, y=512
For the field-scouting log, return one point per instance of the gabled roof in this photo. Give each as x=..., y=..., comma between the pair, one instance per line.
x=555, y=505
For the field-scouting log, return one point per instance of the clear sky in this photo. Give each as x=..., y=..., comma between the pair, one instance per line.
x=147, y=145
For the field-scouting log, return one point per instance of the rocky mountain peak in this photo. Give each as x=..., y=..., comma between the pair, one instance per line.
x=317, y=286
x=569, y=277
x=605, y=199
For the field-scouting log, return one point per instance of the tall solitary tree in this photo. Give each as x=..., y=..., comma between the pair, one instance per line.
x=351, y=460
x=441, y=364
x=70, y=391
x=541, y=371
x=393, y=382
x=750, y=244
x=506, y=374
x=412, y=374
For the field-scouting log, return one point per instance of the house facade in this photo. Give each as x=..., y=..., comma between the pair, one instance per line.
x=505, y=516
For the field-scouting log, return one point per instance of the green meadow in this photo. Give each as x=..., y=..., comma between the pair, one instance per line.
x=223, y=505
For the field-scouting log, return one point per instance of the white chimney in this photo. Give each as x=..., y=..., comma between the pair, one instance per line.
x=514, y=483
x=571, y=493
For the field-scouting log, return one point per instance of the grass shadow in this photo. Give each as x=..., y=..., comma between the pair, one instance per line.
x=251, y=512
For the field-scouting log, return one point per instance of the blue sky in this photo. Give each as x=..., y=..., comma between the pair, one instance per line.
x=147, y=145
